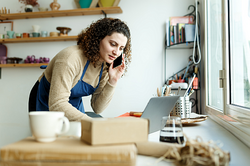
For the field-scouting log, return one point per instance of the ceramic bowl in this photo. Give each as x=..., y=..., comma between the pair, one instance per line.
x=36, y=34
x=14, y=60
x=42, y=9
x=64, y=30
x=18, y=35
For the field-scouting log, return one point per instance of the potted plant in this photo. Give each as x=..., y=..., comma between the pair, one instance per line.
x=29, y=4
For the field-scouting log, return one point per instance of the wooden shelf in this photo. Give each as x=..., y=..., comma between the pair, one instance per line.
x=61, y=13
x=188, y=45
x=23, y=65
x=39, y=39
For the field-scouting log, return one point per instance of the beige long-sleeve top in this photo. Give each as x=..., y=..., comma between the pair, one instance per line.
x=64, y=71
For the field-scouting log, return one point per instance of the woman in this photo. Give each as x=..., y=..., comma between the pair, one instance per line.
x=84, y=69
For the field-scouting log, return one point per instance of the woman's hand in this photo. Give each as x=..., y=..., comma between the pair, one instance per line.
x=116, y=73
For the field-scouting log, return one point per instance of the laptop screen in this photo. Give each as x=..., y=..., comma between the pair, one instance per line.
x=156, y=108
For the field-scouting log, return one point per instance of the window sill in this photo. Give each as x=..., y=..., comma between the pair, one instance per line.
x=240, y=130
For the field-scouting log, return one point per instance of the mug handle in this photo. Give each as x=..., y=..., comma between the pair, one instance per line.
x=65, y=127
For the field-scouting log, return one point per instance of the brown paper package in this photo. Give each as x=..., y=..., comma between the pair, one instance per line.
x=66, y=152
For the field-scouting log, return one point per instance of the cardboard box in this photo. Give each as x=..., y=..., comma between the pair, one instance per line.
x=66, y=152
x=102, y=131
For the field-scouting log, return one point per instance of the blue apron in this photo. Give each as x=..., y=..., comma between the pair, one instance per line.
x=77, y=92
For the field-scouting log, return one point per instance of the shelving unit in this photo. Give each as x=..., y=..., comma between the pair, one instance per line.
x=48, y=14
x=58, y=13
x=188, y=45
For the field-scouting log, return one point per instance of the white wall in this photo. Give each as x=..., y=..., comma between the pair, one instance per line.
x=146, y=20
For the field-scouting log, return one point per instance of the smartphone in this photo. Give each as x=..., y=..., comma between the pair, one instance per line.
x=117, y=61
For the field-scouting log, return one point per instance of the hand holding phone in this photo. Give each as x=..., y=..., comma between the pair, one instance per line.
x=116, y=70
x=118, y=61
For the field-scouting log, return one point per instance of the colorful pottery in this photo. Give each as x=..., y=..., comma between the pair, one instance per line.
x=64, y=30
x=25, y=35
x=28, y=8
x=10, y=34
x=54, y=5
x=107, y=3
x=85, y=3
x=53, y=34
x=36, y=28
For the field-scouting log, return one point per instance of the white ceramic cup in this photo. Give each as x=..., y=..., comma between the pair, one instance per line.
x=35, y=28
x=47, y=125
x=44, y=33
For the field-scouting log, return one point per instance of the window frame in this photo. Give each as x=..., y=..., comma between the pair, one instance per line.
x=239, y=128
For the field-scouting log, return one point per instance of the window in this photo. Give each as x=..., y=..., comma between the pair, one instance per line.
x=239, y=16
x=228, y=51
x=214, y=60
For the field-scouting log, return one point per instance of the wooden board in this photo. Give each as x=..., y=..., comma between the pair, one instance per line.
x=66, y=151
x=24, y=65
x=61, y=13
x=39, y=39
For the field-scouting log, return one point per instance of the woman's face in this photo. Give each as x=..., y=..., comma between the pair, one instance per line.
x=111, y=47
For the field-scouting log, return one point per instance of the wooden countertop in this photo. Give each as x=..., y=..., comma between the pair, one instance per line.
x=208, y=130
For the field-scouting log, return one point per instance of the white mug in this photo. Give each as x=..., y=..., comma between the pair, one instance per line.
x=47, y=125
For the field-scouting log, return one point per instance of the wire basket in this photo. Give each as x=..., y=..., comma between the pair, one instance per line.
x=182, y=108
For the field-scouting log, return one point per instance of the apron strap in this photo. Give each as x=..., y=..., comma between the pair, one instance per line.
x=100, y=74
x=85, y=69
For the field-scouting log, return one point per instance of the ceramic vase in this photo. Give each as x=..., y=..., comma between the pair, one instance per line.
x=54, y=5
x=35, y=28
x=85, y=3
x=28, y=8
x=10, y=34
x=107, y=3
x=46, y=60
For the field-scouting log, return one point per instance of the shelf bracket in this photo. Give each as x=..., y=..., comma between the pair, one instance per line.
x=105, y=15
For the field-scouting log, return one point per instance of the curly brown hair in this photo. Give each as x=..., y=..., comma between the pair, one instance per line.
x=90, y=38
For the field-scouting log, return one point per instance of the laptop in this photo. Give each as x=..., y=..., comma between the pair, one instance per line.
x=156, y=108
